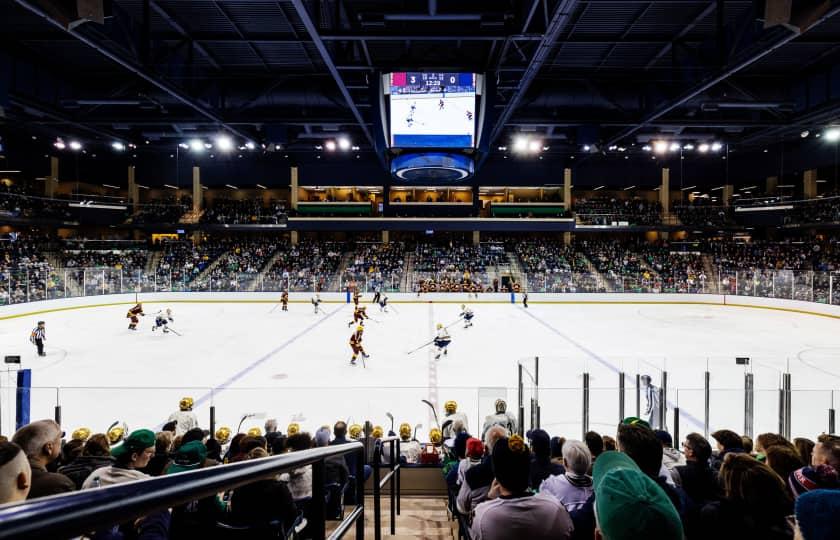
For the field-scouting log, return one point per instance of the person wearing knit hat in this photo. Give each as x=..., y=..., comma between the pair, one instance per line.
x=818, y=515
x=541, y=465
x=189, y=457
x=474, y=451
x=516, y=512
x=808, y=479
x=628, y=504
x=134, y=453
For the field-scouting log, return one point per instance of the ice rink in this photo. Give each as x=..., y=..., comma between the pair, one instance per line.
x=245, y=358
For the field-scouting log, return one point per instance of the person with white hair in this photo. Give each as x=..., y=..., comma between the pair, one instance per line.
x=41, y=442
x=15, y=473
x=574, y=487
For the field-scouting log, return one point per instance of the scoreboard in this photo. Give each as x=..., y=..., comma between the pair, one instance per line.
x=431, y=83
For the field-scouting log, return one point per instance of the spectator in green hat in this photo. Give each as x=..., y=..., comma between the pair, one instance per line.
x=629, y=505
x=189, y=457
x=198, y=518
x=133, y=454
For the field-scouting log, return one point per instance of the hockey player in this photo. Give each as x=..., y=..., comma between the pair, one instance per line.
x=409, y=448
x=284, y=299
x=359, y=316
x=134, y=315
x=377, y=294
x=501, y=418
x=651, y=414
x=452, y=416
x=316, y=302
x=184, y=418
x=525, y=299
x=162, y=320
x=468, y=315
x=38, y=337
x=356, y=344
x=356, y=297
x=383, y=304
x=442, y=340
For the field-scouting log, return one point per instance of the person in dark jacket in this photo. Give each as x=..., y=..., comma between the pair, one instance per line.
x=728, y=442
x=541, y=465
x=261, y=503
x=697, y=478
x=95, y=454
x=41, y=442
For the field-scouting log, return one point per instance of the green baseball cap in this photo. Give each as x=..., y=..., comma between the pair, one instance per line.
x=136, y=442
x=189, y=457
x=628, y=504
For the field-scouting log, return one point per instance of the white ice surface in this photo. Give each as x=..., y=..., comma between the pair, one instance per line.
x=295, y=365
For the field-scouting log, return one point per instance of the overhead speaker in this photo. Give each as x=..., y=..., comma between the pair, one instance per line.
x=432, y=167
x=797, y=14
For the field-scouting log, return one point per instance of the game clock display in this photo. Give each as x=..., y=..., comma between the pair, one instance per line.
x=432, y=110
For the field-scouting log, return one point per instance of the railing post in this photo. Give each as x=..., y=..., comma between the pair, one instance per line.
x=103, y=281
x=84, y=282
x=621, y=397
x=58, y=414
x=706, y=402
x=318, y=501
x=585, y=419
x=360, y=493
x=377, y=505
x=638, y=396
x=749, y=402
x=399, y=473
x=788, y=408
x=393, y=482
x=121, y=281
x=521, y=405
x=663, y=402
x=677, y=422
x=831, y=420
x=213, y=421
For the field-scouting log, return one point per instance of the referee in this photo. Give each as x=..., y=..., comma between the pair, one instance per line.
x=38, y=337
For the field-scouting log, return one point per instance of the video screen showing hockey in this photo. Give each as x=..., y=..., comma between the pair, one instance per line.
x=432, y=110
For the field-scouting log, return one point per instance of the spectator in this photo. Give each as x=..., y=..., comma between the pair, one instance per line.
x=160, y=461
x=300, y=479
x=697, y=478
x=133, y=454
x=541, y=465
x=573, y=487
x=629, y=504
x=805, y=447
x=41, y=442
x=15, y=473
x=728, y=442
x=818, y=515
x=595, y=444
x=258, y=504
x=478, y=478
x=754, y=505
x=95, y=455
x=609, y=444
x=335, y=468
x=671, y=457
x=557, y=450
x=197, y=518
x=515, y=512
x=810, y=478
x=783, y=460
x=827, y=452
x=747, y=444
x=473, y=454
x=70, y=451
x=214, y=450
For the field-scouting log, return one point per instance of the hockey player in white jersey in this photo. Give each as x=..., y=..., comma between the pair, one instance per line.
x=467, y=314
x=451, y=417
x=501, y=418
x=185, y=419
x=317, y=303
x=442, y=340
x=162, y=320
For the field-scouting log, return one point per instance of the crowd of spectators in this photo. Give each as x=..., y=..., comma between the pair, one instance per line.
x=17, y=202
x=240, y=265
x=243, y=211
x=703, y=214
x=379, y=265
x=181, y=263
x=605, y=210
x=167, y=210
x=823, y=210
x=307, y=266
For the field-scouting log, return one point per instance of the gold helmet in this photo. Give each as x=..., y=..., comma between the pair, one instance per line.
x=377, y=432
x=405, y=430
x=116, y=434
x=81, y=434
x=355, y=431
x=450, y=406
x=360, y=328
x=435, y=436
x=186, y=403
x=255, y=432
x=293, y=429
x=223, y=435
x=439, y=326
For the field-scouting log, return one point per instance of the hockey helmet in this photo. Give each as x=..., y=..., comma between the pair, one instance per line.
x=645, y=379
x=439, y=326
x=255, y=432
x=360, y=328
x=450, y=406
x=223, y=435
x=117, y=434
x=81, y=434
x=435, y=436
x=186, y=403
x=355, y=431
x=293, y=429
x=501, y=406
x=405, y=431
x=377, y=432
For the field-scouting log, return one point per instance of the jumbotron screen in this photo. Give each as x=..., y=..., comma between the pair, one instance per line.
x=432, y=110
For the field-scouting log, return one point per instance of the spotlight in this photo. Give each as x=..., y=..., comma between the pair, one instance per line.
x=208, y=146
x=832, y=135
x=224, y=143
x=703, y=148
x=586, y=148
x=674, y=147
x=534, y=146
x=75, y=146
x=355, y=148
x=330, y=146
x=344, y=144
x=196, y=145
x=118, y=146
x=250, y=146
x=520, y=144
x=688, y=146
x=612, y=148
x=59, y=144
x=805, y=134
x=716, y=147
x=660, y=147
x=185, y=146
x=646, y=148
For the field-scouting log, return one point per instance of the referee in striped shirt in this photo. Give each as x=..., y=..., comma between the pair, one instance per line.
x=38, y=337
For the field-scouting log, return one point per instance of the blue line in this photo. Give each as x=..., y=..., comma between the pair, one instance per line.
x=606, y=363
x=253, y=365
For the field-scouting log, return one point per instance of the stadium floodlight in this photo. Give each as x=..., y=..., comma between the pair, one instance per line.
x=344, y=144
x=208, y=146
x=703, y=148
x=520, y=143
x=224, y=143
x=660, y=147
x=75, y=146
x=534, y=146
x=59, y=144
x=716, y=147
x=647, y=148
x=118, y=146
x=804, y=133
x=586, y=148
x=185, y=146
x=196, y=145
x=674, y=147
x=330, y=146
x=832, y=134
x=688, y=146
x=250, y=146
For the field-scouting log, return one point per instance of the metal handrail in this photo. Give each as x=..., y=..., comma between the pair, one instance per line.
x=393, y=477
x=74, y=514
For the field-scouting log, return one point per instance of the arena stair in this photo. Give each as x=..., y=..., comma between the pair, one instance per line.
x=712, y=281
x=255, y=285
x=516, y=272
x=421, y=518
x=205, y=274
x=407, y=282
x=152, y=262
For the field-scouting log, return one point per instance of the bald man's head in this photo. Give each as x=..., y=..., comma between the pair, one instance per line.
x=40, y=440
x=15, y=473
x=494, y=434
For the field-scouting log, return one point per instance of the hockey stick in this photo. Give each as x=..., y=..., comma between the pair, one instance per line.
x=395, y=309
x=429, y=403
x=423, y=346
x=272, y=309
x=364, y=365
x=391, y=417
x=418, y=426
x=174, y=331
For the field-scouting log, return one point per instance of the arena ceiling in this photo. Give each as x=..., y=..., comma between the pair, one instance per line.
x=292, y=73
